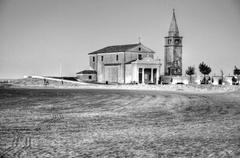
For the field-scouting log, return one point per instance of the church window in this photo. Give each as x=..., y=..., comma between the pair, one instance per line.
x=101, y=58
x=139, y=49
x=89, y=77
x=139, y=56
x=177, y=41
x=117, y=57
x=169, y=41
x=93, y=59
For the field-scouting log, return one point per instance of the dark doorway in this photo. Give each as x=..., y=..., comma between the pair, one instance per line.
x=155, y=76
x=147, y=76
x=140, y=75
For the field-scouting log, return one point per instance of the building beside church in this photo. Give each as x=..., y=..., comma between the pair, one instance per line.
x=87, y=75
x=173, y=50
x=130, y=63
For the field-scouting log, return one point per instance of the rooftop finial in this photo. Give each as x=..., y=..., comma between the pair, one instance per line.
x=139, y=39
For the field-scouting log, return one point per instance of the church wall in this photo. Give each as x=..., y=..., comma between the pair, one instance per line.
x=120, y=74
x=93, y=64
x=129, y=56
x=128, y=74
x=100, y=70
x=111, y=73
x=111, y=58
x=108, y=58
x=134, y=72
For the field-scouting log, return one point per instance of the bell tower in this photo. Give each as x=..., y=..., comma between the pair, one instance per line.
x=173, y=50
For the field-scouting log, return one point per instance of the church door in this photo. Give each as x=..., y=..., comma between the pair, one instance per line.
x=147, y=76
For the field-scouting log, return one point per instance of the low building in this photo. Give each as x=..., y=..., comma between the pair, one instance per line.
x=87, y=75
x=217, y=80
x=232, y=80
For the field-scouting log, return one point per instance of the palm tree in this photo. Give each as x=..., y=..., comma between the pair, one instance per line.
x=190, y=71
x=205, y=70
x=236, y=72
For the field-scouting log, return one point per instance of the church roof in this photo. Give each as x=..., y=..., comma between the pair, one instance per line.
x=87, y=72
x=173, y=29
x=116, y=48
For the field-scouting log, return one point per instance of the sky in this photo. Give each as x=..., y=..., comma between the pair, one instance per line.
x=50, y=37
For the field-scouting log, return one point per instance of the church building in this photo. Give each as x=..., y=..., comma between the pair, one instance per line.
x=130, y=63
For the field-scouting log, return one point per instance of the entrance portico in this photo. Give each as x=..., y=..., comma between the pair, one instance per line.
x=146, y=71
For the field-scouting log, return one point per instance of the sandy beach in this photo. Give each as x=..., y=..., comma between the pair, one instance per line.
x=118, y=123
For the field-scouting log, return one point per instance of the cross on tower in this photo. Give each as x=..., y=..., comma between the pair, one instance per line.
x=139, y=39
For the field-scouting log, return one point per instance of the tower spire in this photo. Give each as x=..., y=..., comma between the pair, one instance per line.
x=173, y=29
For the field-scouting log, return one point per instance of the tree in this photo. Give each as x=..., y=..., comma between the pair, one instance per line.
x=234, y=80
x=221, y=80
x=190, y=71
x=236, y=72
x=205, y=70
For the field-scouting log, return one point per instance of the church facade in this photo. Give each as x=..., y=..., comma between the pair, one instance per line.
x=135, y=63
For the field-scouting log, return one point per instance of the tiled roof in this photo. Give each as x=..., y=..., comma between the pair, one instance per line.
x=116, y=48
x=87, y=72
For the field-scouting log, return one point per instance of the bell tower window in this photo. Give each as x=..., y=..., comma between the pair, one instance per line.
x=169, y=41
x=177, y=41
